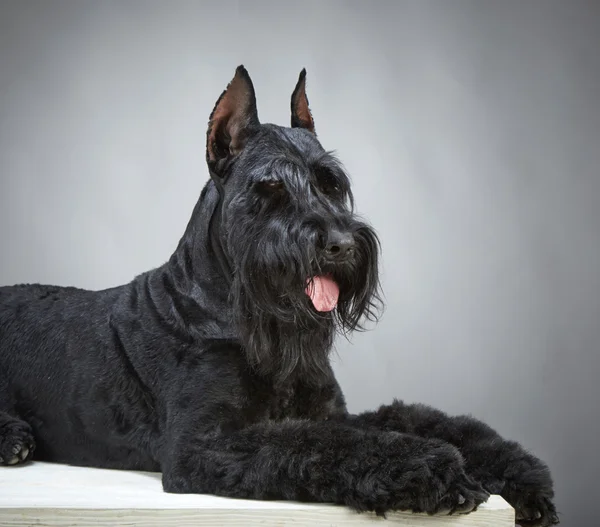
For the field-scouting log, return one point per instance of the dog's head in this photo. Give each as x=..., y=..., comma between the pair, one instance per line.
x=301, y=261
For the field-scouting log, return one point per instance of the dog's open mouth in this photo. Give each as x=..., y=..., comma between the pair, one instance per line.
x=323, y=292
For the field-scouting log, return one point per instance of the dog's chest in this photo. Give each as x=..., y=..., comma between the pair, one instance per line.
x=283, y=403
x=297, y=401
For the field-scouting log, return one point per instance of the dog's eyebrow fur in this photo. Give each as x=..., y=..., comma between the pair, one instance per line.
x=329, y=164
x=291, y=174
x=284, y=169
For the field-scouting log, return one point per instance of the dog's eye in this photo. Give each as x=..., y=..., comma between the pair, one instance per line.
x=270, y=186
x=328, y=184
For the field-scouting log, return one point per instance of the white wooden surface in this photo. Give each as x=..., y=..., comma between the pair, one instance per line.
x=44, y=494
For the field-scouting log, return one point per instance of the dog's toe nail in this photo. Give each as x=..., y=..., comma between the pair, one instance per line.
x=461, y=499
x=537, y=515
x=13, y=461
x=24, y=453
x=16, y=449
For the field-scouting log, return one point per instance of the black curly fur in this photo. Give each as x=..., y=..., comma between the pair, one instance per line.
x=214, y=368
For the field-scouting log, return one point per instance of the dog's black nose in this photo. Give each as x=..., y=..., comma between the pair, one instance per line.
x=340, y=245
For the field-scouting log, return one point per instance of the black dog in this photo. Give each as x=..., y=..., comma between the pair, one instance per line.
x=214, y=369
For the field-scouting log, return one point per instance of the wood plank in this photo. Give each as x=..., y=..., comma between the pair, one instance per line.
x=46, y=494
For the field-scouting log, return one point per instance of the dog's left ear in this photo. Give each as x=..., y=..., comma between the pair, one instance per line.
x=231, y=119
x=301, y=116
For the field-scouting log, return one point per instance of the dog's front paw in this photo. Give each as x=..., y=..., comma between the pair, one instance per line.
x=442, y=487
x=529, y=489
x=16, y=442
x=463, y=496
x=411, y=474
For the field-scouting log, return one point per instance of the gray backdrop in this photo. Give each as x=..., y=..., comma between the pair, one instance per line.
x=471, y=131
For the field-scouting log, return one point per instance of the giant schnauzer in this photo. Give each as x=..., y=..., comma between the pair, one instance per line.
x=214, y=368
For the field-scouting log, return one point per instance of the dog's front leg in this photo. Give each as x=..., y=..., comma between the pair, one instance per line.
x=323, y=462
x=501, y=466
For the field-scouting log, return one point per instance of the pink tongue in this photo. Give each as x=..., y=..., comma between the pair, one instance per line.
x=323, y=292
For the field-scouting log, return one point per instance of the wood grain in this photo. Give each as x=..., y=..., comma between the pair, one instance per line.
x=45, y=494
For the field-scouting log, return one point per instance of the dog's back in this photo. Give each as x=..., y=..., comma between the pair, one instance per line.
x=35, y=320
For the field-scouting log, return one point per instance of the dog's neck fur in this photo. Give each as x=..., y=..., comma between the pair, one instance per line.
x=196, y=272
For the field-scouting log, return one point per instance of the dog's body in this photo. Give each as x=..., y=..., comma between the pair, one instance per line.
x=214, y=368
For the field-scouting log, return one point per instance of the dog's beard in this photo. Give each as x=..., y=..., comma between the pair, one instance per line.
x=283, y=333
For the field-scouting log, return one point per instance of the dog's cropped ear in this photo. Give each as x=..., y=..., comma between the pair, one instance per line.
x=301, y=116
x=234, y=114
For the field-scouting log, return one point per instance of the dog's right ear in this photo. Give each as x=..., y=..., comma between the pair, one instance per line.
x=234, y=114
x=301, y=115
